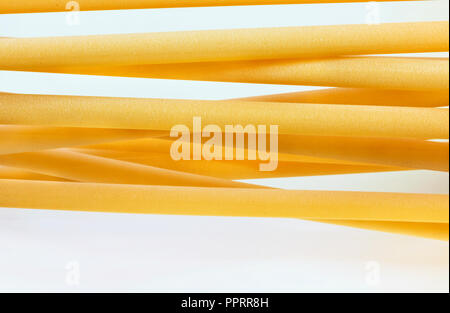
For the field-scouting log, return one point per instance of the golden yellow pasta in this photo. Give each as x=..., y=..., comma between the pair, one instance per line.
x=223, y=45
x=163, y=114
x=18, y=139
x=33, y=6
x=362, y=96
x=364, y=206
x=406, y=153
x=398, y=152
x=139, y=148
x=401, y=73
x=16, y=173
x=435, y=231
x=88, y=168
x=239, y=169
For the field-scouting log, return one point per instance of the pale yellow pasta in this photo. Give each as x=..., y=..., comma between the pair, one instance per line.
x=358, y=206
x=223, y=45
x=32, y=6
x=164, y=114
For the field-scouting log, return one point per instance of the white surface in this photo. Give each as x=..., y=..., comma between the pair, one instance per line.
x=45, y=251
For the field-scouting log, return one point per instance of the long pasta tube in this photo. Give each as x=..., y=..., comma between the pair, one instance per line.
x=18, y=139
x=19, y=174
x=406, y=153
x=239, y=169
x=401, y=73
x=438, y=231
x=357, y=96
x=149, y=146
x=88, y=168
x=435, y=231
x=223, y=45
x=164, y=114
x=361, y=96
x=397, y=152
x=21, y=139
x=35, y=6
x=116, y=198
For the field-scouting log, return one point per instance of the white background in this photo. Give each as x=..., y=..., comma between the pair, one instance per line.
x=64, y=251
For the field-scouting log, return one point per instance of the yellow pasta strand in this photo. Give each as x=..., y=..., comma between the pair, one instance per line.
x=34, y=6
x=88, y=168
x=437, y=231
x=425, y=230
x=223, y=45
x=239, y=169
x=406, y=153
x=163, y=114
x=361, y=96
x=149, y=146
x=401, y=73
x=19, y=174
x=397, y=152
x=225, y=201
x=18, y=139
